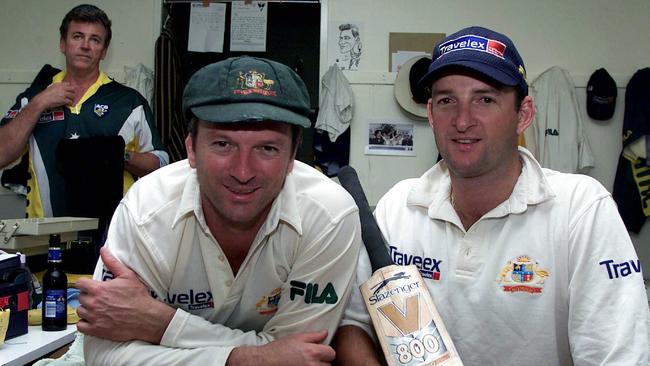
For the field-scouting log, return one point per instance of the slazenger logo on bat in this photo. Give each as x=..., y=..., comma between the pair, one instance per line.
x=404, y=289
x=382, y=284
x=473, y=43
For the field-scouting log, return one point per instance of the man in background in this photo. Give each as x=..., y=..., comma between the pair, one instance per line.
x=63, y=130
x=523, y=263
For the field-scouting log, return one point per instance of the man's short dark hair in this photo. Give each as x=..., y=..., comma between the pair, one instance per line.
x=351, y=27
x=86, y=13
x=296, y=132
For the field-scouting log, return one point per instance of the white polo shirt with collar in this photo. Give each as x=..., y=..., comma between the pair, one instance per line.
x=297, y=275
x=548, y=277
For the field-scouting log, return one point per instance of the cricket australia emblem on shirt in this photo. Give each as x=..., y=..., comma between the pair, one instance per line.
x=268, y=304
x=522, y=274
x=254, y=82
x=100, y=109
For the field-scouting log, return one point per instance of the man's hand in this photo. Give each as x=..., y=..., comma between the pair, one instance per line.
x=121, y=309
x=53, y=96
x=14, y=135
x=296, y=349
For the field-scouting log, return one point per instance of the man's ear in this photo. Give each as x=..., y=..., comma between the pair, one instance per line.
x=189, y=148
x=526, y=114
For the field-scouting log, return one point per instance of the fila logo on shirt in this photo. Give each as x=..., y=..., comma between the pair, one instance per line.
x=552, y=132
x=623, y=269
x=309, y=291
x=429, y=267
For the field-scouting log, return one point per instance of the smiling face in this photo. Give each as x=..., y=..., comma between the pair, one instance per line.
x=84, y=46
x=241, y=168
x=476, y=125
x=346, y=41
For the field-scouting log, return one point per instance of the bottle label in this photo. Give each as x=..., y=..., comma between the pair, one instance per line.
x=55, y=303
x=54, y=255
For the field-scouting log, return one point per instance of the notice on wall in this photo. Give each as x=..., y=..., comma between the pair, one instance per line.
x=207, y=27
x=248, y=26
x=405, y=43
x=399, y=58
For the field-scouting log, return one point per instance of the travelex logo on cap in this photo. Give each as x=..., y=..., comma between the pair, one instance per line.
x=483, y=51
x=247, y=89
x=475, y=43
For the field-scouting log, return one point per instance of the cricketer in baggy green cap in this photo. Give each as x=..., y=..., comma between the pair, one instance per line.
x=247, y=89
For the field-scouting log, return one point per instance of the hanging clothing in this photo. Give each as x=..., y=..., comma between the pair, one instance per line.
x=335, y=104
x=559, y=139
x=140, y=78
x=332, y=135
x=168, y=97
x=632, y=182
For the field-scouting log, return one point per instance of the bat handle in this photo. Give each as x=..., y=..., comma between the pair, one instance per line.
x=372, y=237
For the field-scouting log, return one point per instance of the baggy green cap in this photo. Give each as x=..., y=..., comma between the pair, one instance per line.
x=247, y=89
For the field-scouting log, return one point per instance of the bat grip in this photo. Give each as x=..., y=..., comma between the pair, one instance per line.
x=371, y=235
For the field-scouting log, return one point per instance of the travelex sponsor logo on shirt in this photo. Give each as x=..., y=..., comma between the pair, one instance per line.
x=193, y=300
x=254, y=82
x=473, y=43
x=622, y=269
x=53, y=115
x=522, y=274
x=189, y=299
x=429, y=267
x=268, y=304
x=310, y=293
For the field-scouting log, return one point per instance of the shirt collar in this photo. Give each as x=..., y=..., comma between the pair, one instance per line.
x=101, y=80
x=432, y=190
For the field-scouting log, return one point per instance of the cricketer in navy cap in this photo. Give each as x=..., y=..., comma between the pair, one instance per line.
x=482, y=50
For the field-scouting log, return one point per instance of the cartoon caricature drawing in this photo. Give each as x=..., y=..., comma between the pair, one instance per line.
x=349, y=47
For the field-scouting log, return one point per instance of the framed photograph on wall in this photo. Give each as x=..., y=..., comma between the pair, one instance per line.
x=390, y=137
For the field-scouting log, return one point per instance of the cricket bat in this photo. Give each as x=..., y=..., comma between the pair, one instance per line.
x=408, y=325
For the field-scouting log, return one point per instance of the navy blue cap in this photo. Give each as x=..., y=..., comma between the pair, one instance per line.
x=482, y=50
x=601, y=95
